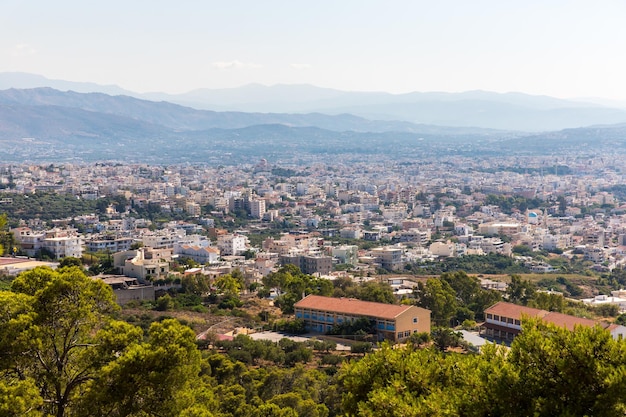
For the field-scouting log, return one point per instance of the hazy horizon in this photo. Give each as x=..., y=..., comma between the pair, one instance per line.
x=564, y=49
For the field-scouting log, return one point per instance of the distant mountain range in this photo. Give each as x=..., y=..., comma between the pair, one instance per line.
x=480, y=109
x=44, y=124
x=177, y=117
x=483, y=109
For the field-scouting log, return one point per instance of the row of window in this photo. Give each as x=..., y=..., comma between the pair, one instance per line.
x=330, y=318
x=406, y=333
x=503, y=319
x=318, y=316
x=381, y=325
x=500, y=334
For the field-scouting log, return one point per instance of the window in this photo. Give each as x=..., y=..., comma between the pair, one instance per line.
x=414, y=319
x=496, y=318
x=400, y=335
x=407, y=333
x=510, y=321
x=489, y=316
x=518, y=323
x=503, y=319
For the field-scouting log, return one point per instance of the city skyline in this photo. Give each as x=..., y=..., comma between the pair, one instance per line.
x=561, y=49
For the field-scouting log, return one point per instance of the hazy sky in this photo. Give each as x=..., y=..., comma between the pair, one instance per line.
x=563, y=48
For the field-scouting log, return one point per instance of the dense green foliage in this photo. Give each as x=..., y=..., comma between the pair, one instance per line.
x=454, y=296
x=379, y=292
x=360, y=329
x=615, y=280
x=6, y=237
x=492, y=263
x=291, y=284
x=47, y=206
x=59, y=337
x=508, y=203
x=549, y=371
x=62, y=353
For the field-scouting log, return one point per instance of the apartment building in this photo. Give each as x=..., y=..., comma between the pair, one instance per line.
x=28, y=240
x=232, y=244
x=110, y=244
x=392, y=322
x=257, y=208
x=346, y=254
x=163, y=239
x=309, y=264
x=389, y=258
x=60, y=243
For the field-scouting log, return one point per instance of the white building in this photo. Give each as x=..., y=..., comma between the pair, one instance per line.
x=200, y=254
x=617, y=298
x=347, y=254
x=29, y=241
x=64, y=246
x=164, y=239
x=60, y=243
x=110, y=244
x=232, y=244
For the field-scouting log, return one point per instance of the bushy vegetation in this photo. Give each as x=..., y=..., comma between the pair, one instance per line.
x=359, y=329
x=291, y=284
x=454, y=297
x=509, y=203
x=492, y=263
x=378, y=292
x=64, y=354
x=580, y=373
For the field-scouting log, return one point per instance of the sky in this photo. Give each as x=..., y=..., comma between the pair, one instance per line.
x=559, y=48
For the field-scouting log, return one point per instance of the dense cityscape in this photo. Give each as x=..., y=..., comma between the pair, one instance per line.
x=420, y=211
x=232, y=250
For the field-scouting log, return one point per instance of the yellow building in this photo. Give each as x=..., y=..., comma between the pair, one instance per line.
x=393, y=322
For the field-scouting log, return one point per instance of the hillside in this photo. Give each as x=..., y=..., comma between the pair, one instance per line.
x=49, y=125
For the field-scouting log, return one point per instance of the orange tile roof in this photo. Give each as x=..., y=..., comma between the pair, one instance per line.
x=352, y=306
x=567, y=321
x=514, y=311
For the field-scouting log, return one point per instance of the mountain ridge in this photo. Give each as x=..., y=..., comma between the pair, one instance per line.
x=478, y=108
x=175, y=116
x=49, y=125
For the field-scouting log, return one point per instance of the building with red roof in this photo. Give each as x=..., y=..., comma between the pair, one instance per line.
x=393, y=322
x=503, y=321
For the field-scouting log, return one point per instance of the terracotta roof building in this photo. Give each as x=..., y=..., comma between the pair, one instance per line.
x=503, y=321
x=393, y=322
